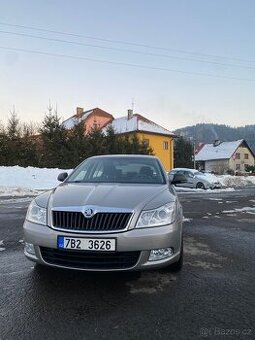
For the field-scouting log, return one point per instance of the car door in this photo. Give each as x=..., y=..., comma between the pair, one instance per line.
x=186, y=184
x=191, y=181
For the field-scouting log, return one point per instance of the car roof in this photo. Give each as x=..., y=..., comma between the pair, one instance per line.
x=124, y=156
x=185, y=169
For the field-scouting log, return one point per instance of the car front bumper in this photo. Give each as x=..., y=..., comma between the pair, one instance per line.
x=139, y=241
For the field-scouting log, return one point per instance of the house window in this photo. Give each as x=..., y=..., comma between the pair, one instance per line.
x=165, y=145
x=146, y=142
x=237, y=155
x=238, y=166
x=246, y=156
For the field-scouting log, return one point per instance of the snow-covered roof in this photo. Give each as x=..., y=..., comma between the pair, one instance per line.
x=222, y=151
x=137, y=123
x=74, y=120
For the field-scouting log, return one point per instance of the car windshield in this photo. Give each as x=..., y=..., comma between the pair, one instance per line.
x=198, y=173
x=119, y=170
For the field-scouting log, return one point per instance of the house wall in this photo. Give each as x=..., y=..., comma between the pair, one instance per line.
x=156, y=142
x=98, y=119
x=235, y=162
x=219, y=166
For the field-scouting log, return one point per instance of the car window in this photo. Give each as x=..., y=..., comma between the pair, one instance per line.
x=119, y=170
x=198, y=173
x=188, y=174
x=180, y=172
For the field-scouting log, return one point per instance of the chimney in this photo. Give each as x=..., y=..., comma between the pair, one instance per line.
x=79, y=111
x=216, y=142
x=130, y=114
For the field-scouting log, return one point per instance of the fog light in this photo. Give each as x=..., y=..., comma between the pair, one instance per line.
x=160, y=254
x=29, y=248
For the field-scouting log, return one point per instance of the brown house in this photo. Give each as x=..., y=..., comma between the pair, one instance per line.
x=95, y=118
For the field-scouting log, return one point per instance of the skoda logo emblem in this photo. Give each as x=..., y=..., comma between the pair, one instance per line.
x=88, y=213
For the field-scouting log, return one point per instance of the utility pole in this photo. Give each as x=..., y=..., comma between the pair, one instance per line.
x=193, y=141
x=194, y=153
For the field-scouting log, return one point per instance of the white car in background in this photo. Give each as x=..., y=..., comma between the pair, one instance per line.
x=196, y=179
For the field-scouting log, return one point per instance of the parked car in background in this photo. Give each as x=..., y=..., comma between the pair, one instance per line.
x=117, y=212
x=196, y=179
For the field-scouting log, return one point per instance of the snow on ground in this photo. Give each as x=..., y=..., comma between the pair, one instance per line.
x=250, y=210
x=236, y=181
x=18, y=181
x=191, y=190
x=1, y=245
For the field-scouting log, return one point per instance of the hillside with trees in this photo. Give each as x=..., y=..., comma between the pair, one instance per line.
x=208, y=133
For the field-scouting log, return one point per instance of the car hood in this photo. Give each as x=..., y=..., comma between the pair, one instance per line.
x=126, y=196
x=208, y=178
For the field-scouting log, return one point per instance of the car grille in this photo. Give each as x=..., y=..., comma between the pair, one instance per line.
x=90, y=260
x=99, y=222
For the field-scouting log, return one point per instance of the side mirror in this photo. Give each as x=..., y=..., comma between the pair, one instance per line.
x=62, y=176
x=178, y=178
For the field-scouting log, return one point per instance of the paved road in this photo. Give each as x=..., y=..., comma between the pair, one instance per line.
x=212, y=297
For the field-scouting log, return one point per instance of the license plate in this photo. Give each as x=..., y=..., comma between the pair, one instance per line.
x=92, y=244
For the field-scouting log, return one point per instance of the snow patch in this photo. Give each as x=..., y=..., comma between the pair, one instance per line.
x=136, y=123
x=1, y=245
x=19, y=181
x=236, y=181
x=186, y=219
x=244, y=209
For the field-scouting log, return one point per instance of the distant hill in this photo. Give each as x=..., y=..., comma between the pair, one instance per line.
x=208, y=133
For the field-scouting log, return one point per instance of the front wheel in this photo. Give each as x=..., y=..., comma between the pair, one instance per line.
x=200, y=185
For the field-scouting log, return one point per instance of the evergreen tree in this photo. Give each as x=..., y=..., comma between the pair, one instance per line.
x=4, y=147
x=78, y=146
x=28, y=154
x=13, y=126
x=13, y=139
x=112, y=141
x=54, y=138
x=97, y=143
x=183, y=153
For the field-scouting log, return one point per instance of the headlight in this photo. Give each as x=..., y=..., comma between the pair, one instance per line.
x=36, y=214
x=157, y=217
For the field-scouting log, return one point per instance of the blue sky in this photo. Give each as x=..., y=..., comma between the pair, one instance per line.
x=193, y=37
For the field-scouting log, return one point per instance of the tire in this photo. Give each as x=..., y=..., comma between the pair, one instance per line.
x=200, y=185
x=176, y=266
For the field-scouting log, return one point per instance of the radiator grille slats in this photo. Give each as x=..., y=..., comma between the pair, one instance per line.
x=76, y=221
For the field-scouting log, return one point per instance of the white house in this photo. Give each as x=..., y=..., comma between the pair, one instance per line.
x=220, y=157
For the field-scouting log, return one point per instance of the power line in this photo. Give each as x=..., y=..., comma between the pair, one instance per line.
x=126, y=50
x=126, y=43
x=124, y=64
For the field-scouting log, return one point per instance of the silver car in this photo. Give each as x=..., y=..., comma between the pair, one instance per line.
x=196, y=179
x=112, y=213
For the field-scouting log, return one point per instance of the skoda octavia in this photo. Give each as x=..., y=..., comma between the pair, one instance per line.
x=116, y=212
